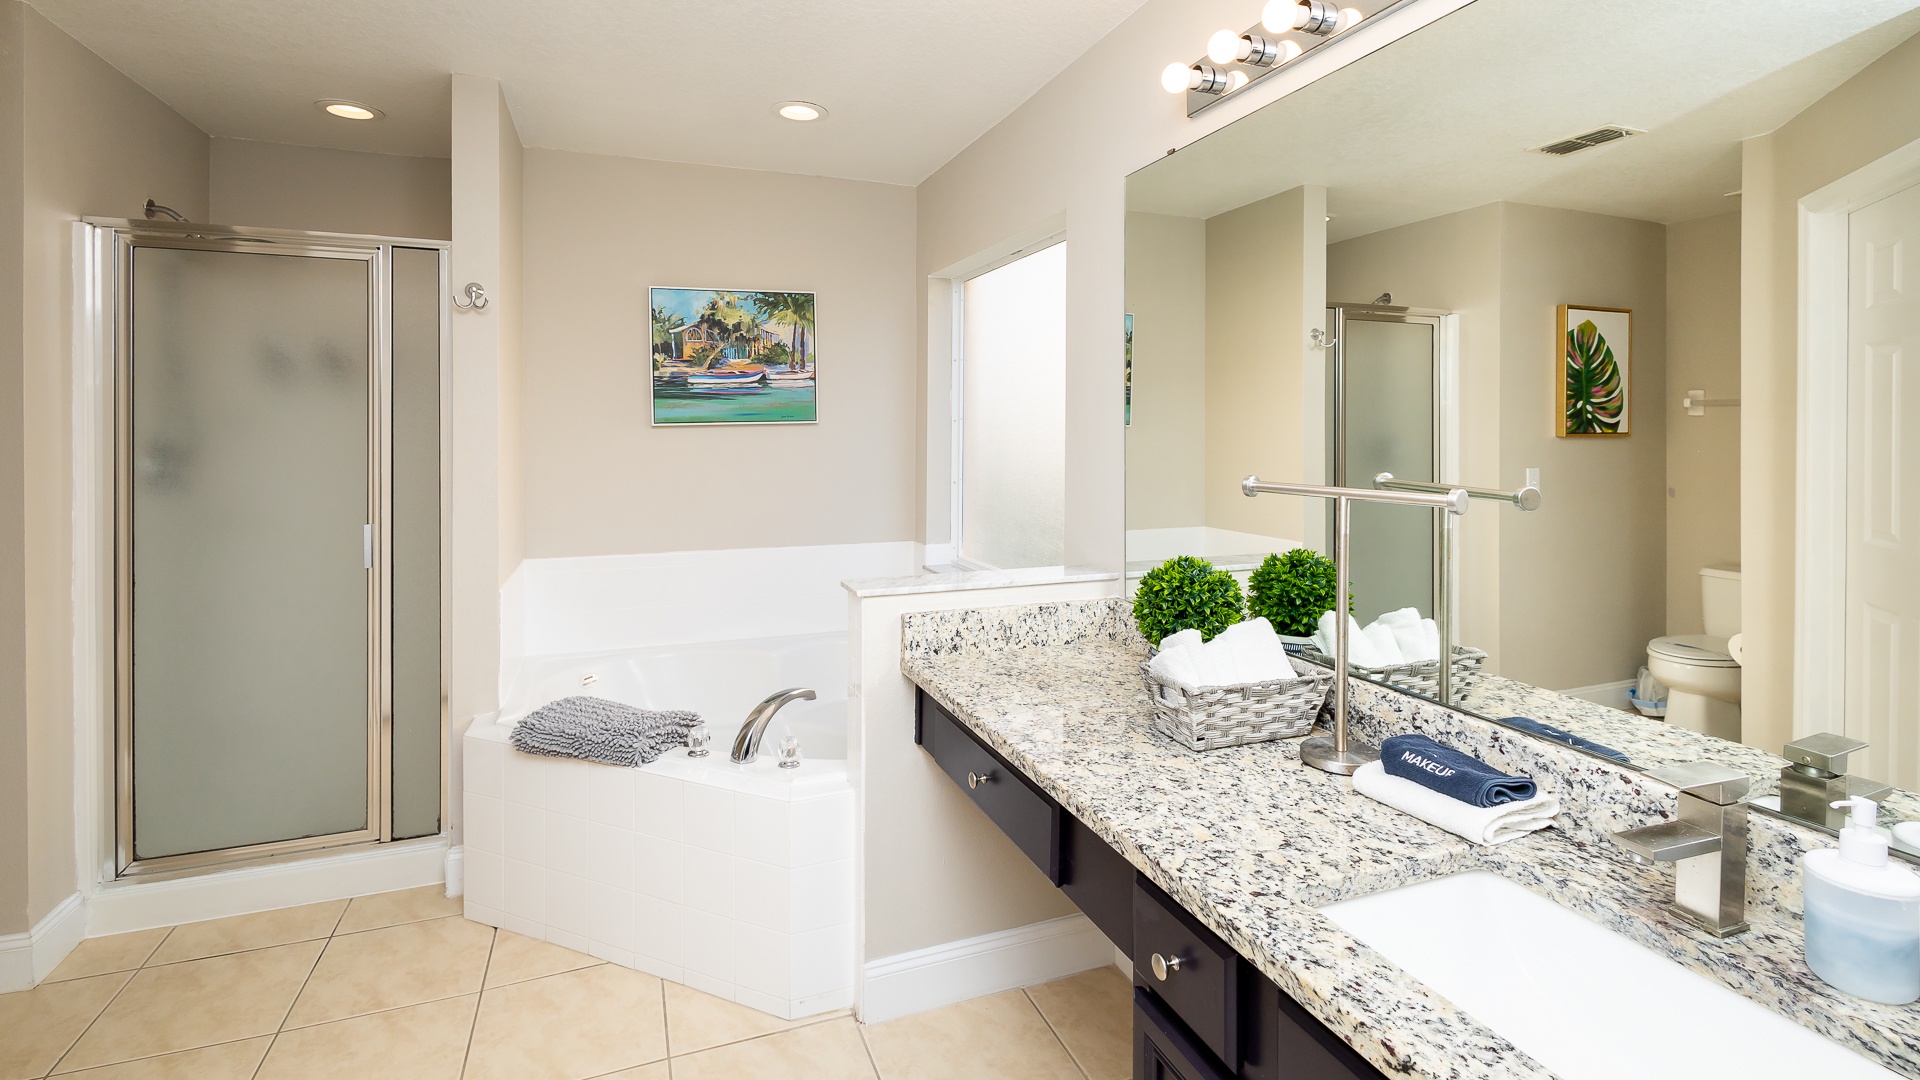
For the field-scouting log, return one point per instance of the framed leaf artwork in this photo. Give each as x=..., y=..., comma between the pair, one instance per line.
x=1596, y=364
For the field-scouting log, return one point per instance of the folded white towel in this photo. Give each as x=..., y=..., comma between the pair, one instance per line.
x=1182, y=640
x=1250, y=652
x=1361, y=649
x=1177, y=665
x=1482, y=825
x=1385, y=645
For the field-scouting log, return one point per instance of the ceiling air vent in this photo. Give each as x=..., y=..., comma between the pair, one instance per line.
x=1586, y=140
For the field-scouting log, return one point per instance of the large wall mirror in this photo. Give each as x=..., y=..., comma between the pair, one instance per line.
x=1663, y=258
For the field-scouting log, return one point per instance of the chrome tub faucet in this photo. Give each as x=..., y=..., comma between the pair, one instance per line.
x=746, y=745
x=1706, y=843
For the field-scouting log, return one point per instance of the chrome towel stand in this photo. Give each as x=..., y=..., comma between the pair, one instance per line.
x=1341, y=754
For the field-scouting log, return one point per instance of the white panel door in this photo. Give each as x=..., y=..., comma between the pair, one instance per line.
x=1883, y=488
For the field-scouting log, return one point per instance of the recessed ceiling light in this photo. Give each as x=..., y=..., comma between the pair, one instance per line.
x=802, y=111
x=349, y=110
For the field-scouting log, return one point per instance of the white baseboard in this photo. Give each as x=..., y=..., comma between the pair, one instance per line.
x=962, y=970
x=28, y=957
x=455, y=870
x=1612, y=694
x=131, y=904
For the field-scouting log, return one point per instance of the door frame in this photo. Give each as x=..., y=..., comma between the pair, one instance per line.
x=1820, y=481
x=102, y=763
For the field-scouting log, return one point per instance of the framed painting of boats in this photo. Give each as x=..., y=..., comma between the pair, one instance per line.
x=733, y=356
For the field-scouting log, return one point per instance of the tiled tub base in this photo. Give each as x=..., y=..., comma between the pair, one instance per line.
x=733, y=879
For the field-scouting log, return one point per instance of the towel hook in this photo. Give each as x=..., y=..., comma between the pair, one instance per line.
x=476, y=297
x=1320, y=338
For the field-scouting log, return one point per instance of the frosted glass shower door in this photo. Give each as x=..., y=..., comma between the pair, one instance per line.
x=249, y=412
x=1390, y=372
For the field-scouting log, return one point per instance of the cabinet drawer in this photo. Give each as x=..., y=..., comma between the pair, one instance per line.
x=1162, y=1050
x=1030, y=819
x=1189, y=969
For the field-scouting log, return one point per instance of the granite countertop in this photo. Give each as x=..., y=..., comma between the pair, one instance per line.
x=1253, y=843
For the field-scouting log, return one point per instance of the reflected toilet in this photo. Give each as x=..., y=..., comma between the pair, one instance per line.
x=1701, y=673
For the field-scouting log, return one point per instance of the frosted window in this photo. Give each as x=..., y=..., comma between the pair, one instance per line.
x=1013, y=430
x=417, y=710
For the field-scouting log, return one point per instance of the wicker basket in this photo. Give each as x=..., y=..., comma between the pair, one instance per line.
x=1205, y=719
x=1420, y=677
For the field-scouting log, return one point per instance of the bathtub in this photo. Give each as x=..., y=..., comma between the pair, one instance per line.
x=734, y=879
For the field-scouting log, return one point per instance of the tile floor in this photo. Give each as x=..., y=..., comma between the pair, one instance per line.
x=400, y=985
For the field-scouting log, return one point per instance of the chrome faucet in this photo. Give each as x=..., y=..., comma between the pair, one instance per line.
x=1817, y=776
x=1706, y=843
x=746, y=745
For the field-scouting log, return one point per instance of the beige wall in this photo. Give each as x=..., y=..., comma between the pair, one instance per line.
x=1568, y=622
x=1451, y=263
x=1861, y=121
x=1166, y=442
x=1504, y=269
x=486, y=167
x=92, y=143
x=1703, y=452
x=1266, y=287
x=281, y=186
x=600, y=231
x=14, y=800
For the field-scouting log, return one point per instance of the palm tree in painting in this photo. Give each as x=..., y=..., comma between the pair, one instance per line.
x=662, y=334
x=794, y=310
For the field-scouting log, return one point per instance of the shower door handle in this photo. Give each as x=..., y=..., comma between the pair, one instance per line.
x=366, y=547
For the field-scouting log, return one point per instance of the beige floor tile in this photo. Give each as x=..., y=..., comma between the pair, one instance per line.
x=421, y=1042
x=517, y=958
x=260, y=930
x=227, y=1061
x=699, y=1021
x=100, y=955
x=828, y=1051
x=394, y=967
x=1000, y=1036
x=37, y=1026
x=1092, y=1012
x=403, y=906
x=565, y=1027
x=655, y=1071
x=201, y=1002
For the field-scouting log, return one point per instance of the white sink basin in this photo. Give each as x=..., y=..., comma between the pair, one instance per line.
x=1580, y=999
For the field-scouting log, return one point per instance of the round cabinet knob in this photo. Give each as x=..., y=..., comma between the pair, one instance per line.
x=1164, y=966
x=975, y=779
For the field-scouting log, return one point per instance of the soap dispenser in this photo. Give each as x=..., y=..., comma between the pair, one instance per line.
x=1863, y=913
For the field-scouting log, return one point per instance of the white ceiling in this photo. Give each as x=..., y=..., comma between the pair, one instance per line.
x=907, y=83
x=1441, y=121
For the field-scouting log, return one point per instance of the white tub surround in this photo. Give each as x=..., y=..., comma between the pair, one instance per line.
x=734, y=879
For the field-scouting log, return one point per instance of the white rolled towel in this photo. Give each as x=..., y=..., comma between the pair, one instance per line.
x=1250, y=652
x=1483, y=825
x=1361, y=648
x=1185, y=639
x=1409, y=634
x=1385, y=645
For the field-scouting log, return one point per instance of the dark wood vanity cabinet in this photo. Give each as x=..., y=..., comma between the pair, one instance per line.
x=1202, y=1012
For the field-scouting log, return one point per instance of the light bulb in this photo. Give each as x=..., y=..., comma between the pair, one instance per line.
x=1289, y=50
x=1349, y=18
x=349, y=110
x=1236, y=79
x=1178, y=78
x=1280, y=16
x=802, y=111
x=1225, y=47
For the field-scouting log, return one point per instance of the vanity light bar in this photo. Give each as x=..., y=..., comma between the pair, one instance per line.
x=1288, y=30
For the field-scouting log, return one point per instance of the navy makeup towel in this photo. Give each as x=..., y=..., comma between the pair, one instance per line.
x=1554, y=734
x=1452, y=773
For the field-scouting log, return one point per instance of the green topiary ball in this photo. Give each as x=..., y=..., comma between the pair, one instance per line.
x=1292, y=591
x=1185, y=593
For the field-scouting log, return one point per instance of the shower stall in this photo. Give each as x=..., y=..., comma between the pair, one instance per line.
x=277, y=417
x=1385, y=396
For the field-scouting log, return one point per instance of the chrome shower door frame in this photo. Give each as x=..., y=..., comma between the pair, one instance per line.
x=115, y=241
